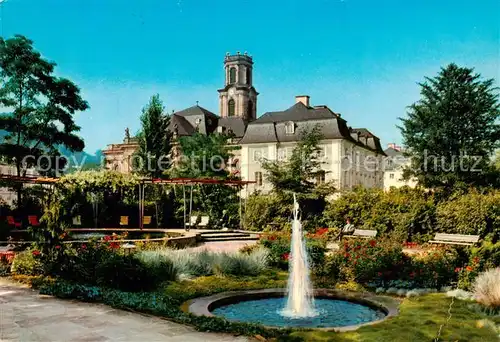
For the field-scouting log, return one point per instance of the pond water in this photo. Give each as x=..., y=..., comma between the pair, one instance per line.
x=330, y=313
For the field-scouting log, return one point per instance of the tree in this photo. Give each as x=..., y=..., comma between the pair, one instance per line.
x=155, y=140
x=42, y=108
x=295, y=175
x=452, y=130
x=208, y=156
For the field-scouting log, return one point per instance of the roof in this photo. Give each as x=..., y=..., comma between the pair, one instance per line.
x=390, y=152
x=196, y=117
x=298, y=112
x=271, y=127
x=236, y=124
x=181, y=124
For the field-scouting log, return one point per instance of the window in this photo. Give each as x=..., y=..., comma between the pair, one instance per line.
x=250, y=109
x=281, y=154
x=232, y=75
x=258, y=178
x=230, y=108
x=249, y=76
x=290, y=127
x=320, y=177
x=257, y=155
x=391, y=175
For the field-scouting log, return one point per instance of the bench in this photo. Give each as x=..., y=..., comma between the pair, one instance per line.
x=203, y=221
x=362, y=233
x=456, y=239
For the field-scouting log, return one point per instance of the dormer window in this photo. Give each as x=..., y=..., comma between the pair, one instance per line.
x=290, y=127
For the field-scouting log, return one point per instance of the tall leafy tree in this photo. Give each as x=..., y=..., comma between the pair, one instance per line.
x=208, y=156
x=296, y=174
x=453, y=129
x=155, y=140
x=40, y=109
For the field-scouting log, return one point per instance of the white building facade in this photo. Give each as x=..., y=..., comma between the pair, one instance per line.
x=349, y=157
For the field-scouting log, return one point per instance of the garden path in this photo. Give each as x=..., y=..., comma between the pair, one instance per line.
x=222, y=246
x=27, y=316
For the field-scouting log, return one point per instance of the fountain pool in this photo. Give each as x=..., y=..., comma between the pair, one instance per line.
x=329, y=313
x=299, y=305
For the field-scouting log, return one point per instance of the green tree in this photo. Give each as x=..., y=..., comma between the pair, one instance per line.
x=42, y=108
x=453, y=129
x=155, y=140
x=208, y=156
x=296, y=174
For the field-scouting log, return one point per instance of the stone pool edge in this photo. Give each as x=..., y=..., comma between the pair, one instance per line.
x=203, y=306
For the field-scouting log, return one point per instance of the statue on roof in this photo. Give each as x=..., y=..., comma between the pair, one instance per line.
x=127, y=134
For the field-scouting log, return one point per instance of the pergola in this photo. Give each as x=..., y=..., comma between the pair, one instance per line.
x=189, y=182
x=142, y=184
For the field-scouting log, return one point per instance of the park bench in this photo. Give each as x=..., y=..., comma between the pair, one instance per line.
x=362, y=233
x=455, y=239
x=203, y=221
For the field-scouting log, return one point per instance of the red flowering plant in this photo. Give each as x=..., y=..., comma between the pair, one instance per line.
x=435, y=268
x=369, y=260
x=468, y=273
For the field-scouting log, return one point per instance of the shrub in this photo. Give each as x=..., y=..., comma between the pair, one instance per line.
x=126, y=273
x=471, y=213
x=487, y=289
x=188, y=264
x=159, y=267
x=435, y=268
x=27, y=263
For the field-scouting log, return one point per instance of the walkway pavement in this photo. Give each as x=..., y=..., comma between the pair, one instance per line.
x=27, y=316
x=222, y=246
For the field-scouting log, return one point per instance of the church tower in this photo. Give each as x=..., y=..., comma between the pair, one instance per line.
x=238, y=98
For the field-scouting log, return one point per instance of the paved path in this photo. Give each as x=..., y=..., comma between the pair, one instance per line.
x=27, y=316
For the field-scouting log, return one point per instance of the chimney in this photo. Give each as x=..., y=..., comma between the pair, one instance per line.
x=394, y=146
x=302, y=98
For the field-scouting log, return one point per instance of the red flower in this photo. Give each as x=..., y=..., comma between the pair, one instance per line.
x=468, y=268
x=58, y=247
x=84, y=246
x=475, y=260
x=373, y=243
x=347, y=255
x=285, y=256
x=35, y=252
x=107, y=238
x=412, y=274
x=379, y=274
x=272, y=237
x=114, y=245
x=458, y=269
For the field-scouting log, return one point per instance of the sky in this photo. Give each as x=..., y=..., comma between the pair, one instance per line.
x=362, y=58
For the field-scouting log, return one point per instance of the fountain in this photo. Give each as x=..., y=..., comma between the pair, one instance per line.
x=300, y=300
x=299, y=305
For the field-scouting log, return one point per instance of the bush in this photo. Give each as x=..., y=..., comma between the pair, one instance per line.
x=472, y=213
x=159, y=267
x=487, y=289
x=188, y=264
x=403, y=213
x=278, y=245
x=27, y=263
x=125, y=273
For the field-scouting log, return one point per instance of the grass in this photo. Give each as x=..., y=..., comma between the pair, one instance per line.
x=419, y=320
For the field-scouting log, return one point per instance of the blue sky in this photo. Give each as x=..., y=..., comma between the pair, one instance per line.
x=362, y=58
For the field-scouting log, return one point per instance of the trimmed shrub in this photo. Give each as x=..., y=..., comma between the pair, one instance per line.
x=487, y=288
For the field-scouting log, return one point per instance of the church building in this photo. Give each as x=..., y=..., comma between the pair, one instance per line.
x=344, y=150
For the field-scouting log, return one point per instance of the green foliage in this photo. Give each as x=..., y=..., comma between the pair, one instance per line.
x=472, y=213
x=278, y=245
x=266, y=212
x=403, y=213
x=43, y=107
x=153, y=156
x=207, y=156
x=456, y=117
x=294, y=175
x=188, y=264
x=26, y=263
